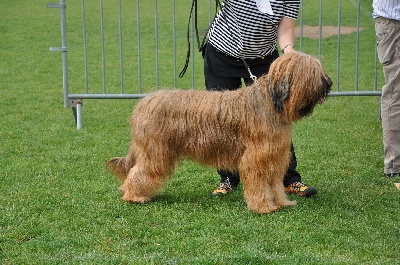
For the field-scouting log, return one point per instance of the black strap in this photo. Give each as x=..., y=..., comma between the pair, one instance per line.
x=199, y=46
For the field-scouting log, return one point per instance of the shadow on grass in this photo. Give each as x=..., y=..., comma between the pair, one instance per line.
x=197, y=196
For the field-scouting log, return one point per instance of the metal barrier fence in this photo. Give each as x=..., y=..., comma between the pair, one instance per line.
x=108, y=36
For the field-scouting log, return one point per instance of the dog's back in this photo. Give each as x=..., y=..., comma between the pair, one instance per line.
x=201, y=125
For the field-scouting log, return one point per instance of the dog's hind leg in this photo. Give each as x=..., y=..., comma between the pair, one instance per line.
x=137, y=187
x=145, y=179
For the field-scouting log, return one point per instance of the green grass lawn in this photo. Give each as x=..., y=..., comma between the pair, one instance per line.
x=58, y=204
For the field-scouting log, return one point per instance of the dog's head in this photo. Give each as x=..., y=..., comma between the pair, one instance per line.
x=296, y=83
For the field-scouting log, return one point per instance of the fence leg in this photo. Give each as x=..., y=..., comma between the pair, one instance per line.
x=79, y=114
x=76, y=105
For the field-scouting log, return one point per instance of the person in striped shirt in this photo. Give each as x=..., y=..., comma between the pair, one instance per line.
x=243, y=41
x=387, y=27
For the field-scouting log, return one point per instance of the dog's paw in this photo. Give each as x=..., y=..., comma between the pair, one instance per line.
x=287, y=203
x=290, y=203
x=135, y=199
x=268, y=209
x=264, y=208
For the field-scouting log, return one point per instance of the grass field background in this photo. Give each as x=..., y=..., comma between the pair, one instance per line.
x=58, y=205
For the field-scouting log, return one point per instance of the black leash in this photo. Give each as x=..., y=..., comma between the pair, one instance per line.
x=199, y=46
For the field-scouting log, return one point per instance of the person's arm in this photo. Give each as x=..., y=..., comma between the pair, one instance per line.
x=286, y=35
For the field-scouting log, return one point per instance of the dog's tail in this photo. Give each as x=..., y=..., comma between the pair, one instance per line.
x=120, y=167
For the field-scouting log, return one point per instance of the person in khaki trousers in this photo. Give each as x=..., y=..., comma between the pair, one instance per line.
x=387, y=26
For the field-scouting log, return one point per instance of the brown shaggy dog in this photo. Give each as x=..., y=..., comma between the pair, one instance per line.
x=248, y=130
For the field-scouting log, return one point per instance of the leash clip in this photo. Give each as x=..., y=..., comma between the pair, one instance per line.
x=253, y=77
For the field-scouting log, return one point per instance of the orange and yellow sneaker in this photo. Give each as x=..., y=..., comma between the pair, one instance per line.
x=223, y=188
x=301, y=189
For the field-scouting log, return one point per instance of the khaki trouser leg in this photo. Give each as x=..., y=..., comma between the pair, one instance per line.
x=388, y=41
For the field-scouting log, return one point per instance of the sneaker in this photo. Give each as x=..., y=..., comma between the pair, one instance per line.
x=301, y=189
x=223, y=188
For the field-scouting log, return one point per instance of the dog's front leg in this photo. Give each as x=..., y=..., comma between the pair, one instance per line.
x=257, y=189
x=262, y=177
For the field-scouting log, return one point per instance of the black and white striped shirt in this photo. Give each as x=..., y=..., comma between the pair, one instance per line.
x=242, y=31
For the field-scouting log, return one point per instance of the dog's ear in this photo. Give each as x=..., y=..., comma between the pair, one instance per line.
x=279, y=93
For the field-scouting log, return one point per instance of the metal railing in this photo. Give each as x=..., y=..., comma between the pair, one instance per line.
x=74, y=100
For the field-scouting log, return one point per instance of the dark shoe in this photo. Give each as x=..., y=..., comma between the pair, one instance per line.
x=223, y=188
x=301, y=189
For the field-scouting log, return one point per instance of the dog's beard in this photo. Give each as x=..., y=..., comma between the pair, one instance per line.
x=305, y=111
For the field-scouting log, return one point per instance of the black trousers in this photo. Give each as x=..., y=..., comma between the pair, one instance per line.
x=213, y=61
